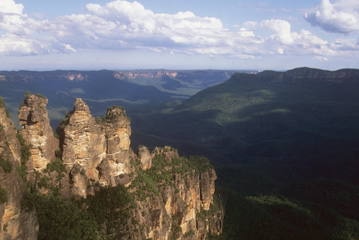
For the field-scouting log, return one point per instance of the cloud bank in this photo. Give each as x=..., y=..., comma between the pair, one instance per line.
x=339, y=16
x=126, y=25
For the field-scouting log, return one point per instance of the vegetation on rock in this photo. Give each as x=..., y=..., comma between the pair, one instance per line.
x=6, y=165
x=62, y=219
x=3, y=195
x=92, y=186
x=24, y=154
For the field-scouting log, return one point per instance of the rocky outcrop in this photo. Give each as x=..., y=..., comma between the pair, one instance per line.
x=95, y=151
x=37, y=133
x=83, y=148
x=207, y=187
x=15, y=223
x=167, y=196
x=117, y=165
x=186, y=207
x=145, y=157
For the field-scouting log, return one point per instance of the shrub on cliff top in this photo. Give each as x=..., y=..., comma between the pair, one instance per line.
x=2, y=104
x=36, y=94
x=5, y=165
x=25, y=149
x=3, y=196
x=25, y=155
x=61, y=219
x=110, y=207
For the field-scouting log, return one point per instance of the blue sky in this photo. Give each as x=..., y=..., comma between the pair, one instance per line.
x=116, y=34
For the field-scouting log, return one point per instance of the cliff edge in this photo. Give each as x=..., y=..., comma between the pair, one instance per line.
x=90, y=174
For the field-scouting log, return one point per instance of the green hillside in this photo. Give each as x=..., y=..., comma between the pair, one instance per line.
x=286, y=146
x=137, y=90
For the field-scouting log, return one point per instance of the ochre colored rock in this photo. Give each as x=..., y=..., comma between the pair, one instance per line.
x=171, y=198
x=15, y=222
x=185, y=207
x=145, y=157
x=37, y=132
x=99, y=150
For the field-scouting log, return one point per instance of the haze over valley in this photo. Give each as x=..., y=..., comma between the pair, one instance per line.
x=180, y=120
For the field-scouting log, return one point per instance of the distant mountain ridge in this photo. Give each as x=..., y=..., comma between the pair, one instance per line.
x=286, y=146
x=86, y=182
x=135, y=89
x=269, y=101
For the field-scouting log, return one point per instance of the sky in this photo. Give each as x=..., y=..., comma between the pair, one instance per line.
x=177, y=34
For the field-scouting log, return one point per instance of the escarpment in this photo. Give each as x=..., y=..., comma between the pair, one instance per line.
x=95, y=151
x=15, y=222
x=37, y=133
x=91, y=168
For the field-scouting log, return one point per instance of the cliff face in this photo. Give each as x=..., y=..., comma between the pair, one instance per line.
x=166, y=196
x=15, y=223
x=37, y=133
x=95, y=151
x=175, y=198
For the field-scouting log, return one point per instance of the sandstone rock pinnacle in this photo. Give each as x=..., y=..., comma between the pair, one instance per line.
x=15, y=222
x=96, y=151
x=37, y=132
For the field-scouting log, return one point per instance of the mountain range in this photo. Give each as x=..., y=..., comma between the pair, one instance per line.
x=285, y=145
x=135, y=90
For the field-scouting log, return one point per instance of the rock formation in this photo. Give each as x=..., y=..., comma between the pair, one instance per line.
x=95, y=151
x=186, y=208
x=37, y=133
x=168, y=196
x=15, y=223
x=145, y=157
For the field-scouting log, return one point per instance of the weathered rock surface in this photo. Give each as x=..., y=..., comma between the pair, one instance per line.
x=15, y=223
x=37, y=133
x=170, y=197
x=96, y=151
x=117, y=164
x=145, y=157
x=181, y=203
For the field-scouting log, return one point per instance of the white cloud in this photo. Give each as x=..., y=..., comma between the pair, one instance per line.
x=129, y=25
x=341, y=16
x=10, y=7
x=286, y=41
x=13, y=45
x=123, y=24
x=281, y=28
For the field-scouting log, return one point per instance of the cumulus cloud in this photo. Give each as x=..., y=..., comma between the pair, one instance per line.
x=284, y=40
x=23, y=35
x=10, y=7
x=122, y=24
x=281, y=28
x=340, y=16
x=13, y=45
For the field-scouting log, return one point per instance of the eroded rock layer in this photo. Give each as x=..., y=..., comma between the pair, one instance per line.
x=155, y=194
x=175, y=198
x=15, y=222
x=96, y=151
x=36, y=131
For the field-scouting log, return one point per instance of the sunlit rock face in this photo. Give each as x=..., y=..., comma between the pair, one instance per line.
x=170, y=197
x=145, y=157
x=185, y=207
x=37, y=133
x=15, y=222
x=95, y=151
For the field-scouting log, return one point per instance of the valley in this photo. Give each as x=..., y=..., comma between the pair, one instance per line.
x=284, y=144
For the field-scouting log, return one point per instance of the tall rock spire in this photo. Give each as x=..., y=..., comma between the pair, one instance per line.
x=37, y=132
x=15, y=221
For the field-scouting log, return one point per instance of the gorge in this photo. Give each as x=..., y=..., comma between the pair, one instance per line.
x=88, y=169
